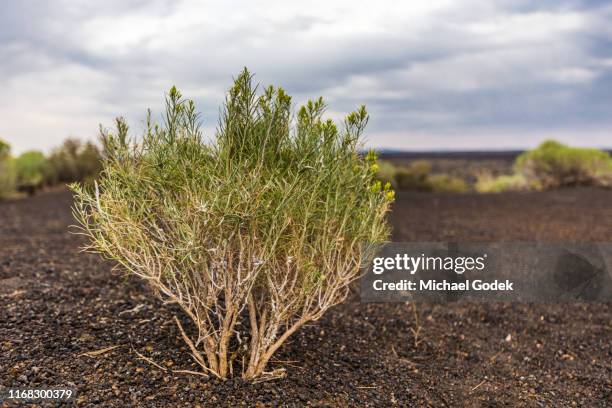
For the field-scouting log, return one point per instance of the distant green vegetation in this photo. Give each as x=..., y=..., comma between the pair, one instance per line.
x=445, y=183
x=74, y=161
x=485, y=183
x=7, y=171
x=552, y=165
x=414, y=177
x=386, y=173
x=32, y=170
x=417, y=177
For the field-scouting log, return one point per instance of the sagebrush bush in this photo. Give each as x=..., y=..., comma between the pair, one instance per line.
x=414, y=177
x=386, y=173
x=31, y=168
x=74, y=161
x=553, y=164
x=7, y=171
x=252, y=234
x=444, y=183
x=487, y=183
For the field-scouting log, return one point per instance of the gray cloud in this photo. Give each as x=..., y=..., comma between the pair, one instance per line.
x=442, y=74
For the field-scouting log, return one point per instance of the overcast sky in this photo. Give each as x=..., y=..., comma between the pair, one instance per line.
x=456, y=74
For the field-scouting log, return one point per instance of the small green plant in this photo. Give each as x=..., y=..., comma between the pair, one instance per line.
x=443, y=183
x=414, y=177
x=386, y=173
x=5, y=150
x=31, y=169
x=7, y=171
x=486, y=183
x=553, y=164
x=74, y=161
x=253, y=234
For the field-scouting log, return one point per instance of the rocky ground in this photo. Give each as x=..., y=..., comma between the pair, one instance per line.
x=67, y=320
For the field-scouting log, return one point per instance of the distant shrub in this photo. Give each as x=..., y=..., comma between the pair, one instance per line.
x=415, y=177
x=553, y=164
x=31, y=168
x=448, y=184
x=7, y=171
x=5, y=150
x=386, y=173
x=253, y=234
x=74, y=161
x=486, y=183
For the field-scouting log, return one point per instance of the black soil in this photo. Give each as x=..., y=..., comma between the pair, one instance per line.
x=57, y=304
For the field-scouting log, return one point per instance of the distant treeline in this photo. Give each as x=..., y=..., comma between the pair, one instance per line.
x=509, y=155
x=71, y=162
x=550, y=165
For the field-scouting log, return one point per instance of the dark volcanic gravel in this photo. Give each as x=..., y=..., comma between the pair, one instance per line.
x=57, y=304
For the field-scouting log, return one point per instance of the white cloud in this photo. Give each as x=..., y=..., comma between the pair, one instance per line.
x=422, y=67
x=573, y=75
x=507, y=29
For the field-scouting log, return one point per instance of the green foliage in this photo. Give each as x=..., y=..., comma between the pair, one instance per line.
x=7, y=171
x=444, y=183
x=386, y=173
x=553, y=164
x=74, y=161
x=5, y=150
x=415, y=177
x=253, y=234
x=31, y=169
x=486, y=183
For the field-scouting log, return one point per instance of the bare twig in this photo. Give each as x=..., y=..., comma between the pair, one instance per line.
x=150, y=361
x=479, y=384
x=99, y=352
x=194, y=352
